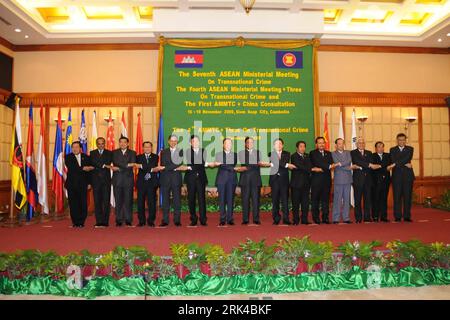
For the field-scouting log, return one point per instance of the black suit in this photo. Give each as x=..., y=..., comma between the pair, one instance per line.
x=381, y=178
x=123, y=183
x=196, y=182
x=300, y=186
x=402, y=181
x=321, y=184
x=101, y=185
x=226, y=181
x=250, y=183
x=147, y=184
x=77, y=185
x=362, y=183
x=279, y=185
x=171, y=180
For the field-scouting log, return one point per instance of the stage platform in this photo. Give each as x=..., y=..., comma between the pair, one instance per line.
x=429, y=225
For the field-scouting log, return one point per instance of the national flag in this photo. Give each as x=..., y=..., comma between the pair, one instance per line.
x=69, y=137
x=341, y=127
x=110, y=145
x=352, y=195
x=326, y=134
x=160, y=146
x=82, y=137
x=30, y=176
x=123, y=127
x=289, y=59
x=189, y=59
x=138, y=147
x=58, y=168
x=16, y=162
x=94, y=134
x=42, y=167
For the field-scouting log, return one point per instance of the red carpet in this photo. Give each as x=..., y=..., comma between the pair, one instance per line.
x=429, y=225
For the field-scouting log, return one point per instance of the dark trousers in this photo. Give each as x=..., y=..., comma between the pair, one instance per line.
x=300, y=198
x=320, y=196
x=402, y=188
x=77, y=205
x=146, y=193
x=196, y=192
x=250, y=193
x=124, y=201
x=280, y=194
x=102, y=204
x=175, y=191
x=380, y=192
x=360, y=192
x=226, y=200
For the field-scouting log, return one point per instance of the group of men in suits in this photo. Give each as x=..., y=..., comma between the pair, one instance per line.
x=309, y=182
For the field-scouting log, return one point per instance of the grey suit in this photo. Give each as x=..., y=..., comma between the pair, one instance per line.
x=342, y=185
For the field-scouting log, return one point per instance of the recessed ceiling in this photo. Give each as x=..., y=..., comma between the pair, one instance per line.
x=386, y=22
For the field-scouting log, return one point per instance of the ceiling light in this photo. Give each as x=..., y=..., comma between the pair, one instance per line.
x=439, y=40
x=27, y=36
x=112, y=12
x=17, y=30
x=53, y=14
x=415, y=18
x=448, y=34
x=371, y=15
x=331, y=15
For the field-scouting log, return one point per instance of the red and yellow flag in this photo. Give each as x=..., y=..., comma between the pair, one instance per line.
x=326, y=134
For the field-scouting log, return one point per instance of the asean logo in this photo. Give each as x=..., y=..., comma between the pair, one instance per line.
x=289, y=59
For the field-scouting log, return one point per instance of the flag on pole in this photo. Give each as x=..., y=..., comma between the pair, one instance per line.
x=352, y=195
x=58, y=168
x=30, y=176
x=341, y=127
x=42, y=167
x=138, y=147
x=16, y=162
x=160, y=146
x=326, y=133
x=82, y=137
x=69, y=137
x=123, y=127
x=110, y=145
x=94, y=134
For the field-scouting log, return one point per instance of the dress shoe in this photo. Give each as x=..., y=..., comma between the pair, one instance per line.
x=358, y=221
x=398, y=220
x=296, y=223
x=287, y=223
x=407, y=220
x=335, y=222
x=316, y=222
x=326, y=222
x=128, y=224
x=348, y=222
x=99, y=225
x=275, y=223
x=140, y=225
x=203, y=224
x=118, y=224
x=221, y=224
x=178, y=224
x=163, y=224
x=151, y=224
x=193, y=224
x=244, y=222
x=257, y=222
x=231, y=223
x=368, y=220
x=385, y=220
x=306, y=222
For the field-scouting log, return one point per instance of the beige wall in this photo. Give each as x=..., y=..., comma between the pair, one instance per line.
x=105, y=71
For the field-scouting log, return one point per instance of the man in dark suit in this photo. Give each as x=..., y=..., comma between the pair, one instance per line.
x=250, y=181
x=322, y=164
x=300, y=183
x=362, y=180
x=78, y=167
x=381, y=180
x=147, y=184
x=196, y=181
x=123, y=160
x=101, y=182
x=279, y=181
x=226, y=181
x=402, y=178
x=170, y=180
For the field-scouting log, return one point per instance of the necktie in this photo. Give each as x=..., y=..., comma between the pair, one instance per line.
x=100, y=151
x=362, y=152
x=146, y=157
x=279, y=155
x=78, y=159
x=323, y=154
x=381, y=157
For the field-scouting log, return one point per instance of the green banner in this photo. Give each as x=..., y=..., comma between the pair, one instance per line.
x=238, y=91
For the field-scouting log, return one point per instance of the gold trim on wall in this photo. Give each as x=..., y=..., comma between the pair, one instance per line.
x=382, y=99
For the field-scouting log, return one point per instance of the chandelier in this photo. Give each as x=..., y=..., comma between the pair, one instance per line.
x=247, y=5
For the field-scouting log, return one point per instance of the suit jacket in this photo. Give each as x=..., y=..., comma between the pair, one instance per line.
x=342, y=174
x=76, y=177
x=100, y=175
x=124, y=177
x=253, y=174
x=400, y=158
x=226, y=172
x=323, y=162
x=197, y=163
x=147, y=167
x=301, y=177
x=170, y=176
x=279, y=172
x=381, y=174
x=364, y=175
